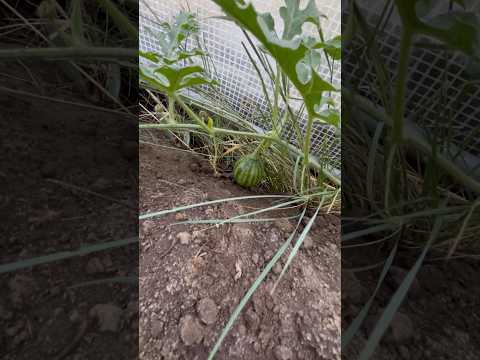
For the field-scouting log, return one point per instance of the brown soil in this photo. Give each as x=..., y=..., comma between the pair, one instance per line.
x=41, y=315
x=439, y=319
x=188, y=291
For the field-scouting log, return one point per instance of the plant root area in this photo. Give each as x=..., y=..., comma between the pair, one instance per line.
x=192, y=276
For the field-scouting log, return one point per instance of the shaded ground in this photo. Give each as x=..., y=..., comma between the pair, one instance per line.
x=41, y=316
x=440, y=319
x=188, y=291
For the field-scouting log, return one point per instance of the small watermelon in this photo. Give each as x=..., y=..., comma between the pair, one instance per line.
x=249, y=171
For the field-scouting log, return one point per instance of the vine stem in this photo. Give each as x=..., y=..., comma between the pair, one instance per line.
x=413, y=135
x=401, y=85
x=312, y=162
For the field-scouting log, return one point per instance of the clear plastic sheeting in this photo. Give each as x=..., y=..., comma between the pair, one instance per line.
x=239, y=85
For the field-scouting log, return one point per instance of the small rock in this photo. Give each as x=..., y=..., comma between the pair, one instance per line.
x=21, y=287
x=147, y=226
x=107, y=262
x=396, y=275
x=352, y=289
x=180, y=216
x=191, y=331
x=404, y=353
x=255, y=258
x=184, y=238
x=157, y=328
x=284, y=225
x=308, y=242
x=20, y=338
x=252, y=319
x=58, y=311
x=109, y=317
x=283, y=353
x=401, y=329
x=94, y=266
x=194, y=167
x=207, y=311
x=74, y=316
x=431, y=278
x=277, y=268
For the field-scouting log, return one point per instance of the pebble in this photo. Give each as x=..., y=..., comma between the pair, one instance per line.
x=191, y=331
x=207, y=311
x=431, y=278
x=252, y=319
x=109, y=317
x=402, y=329
x=94, y=266
x=404, y=353
x=157, y=328
x=21, y=287
x=147, y=226
x=180, y=216
x=255, y=258
x=184, y=238
x=308, y=242
x=283, y=353
x=277, y=268
x=352, y=289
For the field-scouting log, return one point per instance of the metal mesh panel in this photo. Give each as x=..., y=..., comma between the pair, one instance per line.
x=238, y=81
x=459, y=109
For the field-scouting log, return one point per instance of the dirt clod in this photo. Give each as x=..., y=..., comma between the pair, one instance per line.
x=191, y=331
x=180, y=216
x=402, y=329
x=184, y=238
x=308, y=242
x=207, y=311
x=109, y=317
x=21, y=287
x=94, y=266
x=283, y=353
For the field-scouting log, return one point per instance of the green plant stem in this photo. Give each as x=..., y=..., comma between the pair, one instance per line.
x=120, y=20
x=306, y=144
x=402, y=76
x=216, y=130
x=70, y=53
x=412, y=135
x=171, y=109
x=194, y=116
x=312, y=162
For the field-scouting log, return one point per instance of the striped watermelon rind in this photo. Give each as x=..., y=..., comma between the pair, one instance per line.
x=249, y=171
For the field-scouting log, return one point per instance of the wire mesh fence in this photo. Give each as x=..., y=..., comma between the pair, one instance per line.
x=435, y=99
x=239, y=85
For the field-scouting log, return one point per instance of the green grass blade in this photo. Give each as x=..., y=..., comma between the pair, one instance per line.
x=62, y=255
x=397, y=299
x=115, y=279
x=253, y=288
x=299, y=243
x=354, y=327
x=188, y=207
